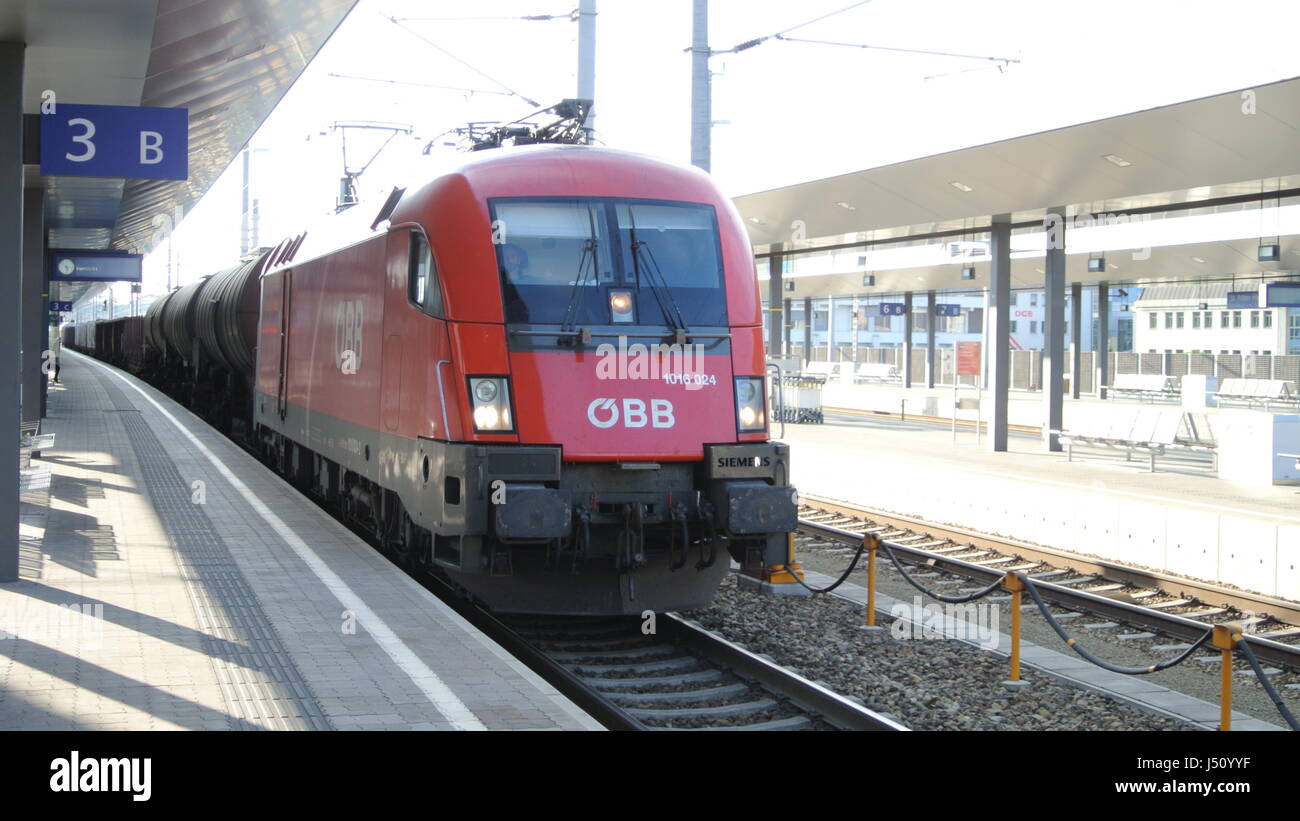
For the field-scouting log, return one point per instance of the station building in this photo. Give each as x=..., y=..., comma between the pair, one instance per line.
x=1197, y=318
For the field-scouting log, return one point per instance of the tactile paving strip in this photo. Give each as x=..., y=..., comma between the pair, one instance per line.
x=258, y=678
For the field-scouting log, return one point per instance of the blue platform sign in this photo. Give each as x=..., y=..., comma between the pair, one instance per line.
x=947, y=309
x=116, y=141
x=1283, y=295
x=1243, y=299
x=893, y=308
x=57, y=306
x=94, y=266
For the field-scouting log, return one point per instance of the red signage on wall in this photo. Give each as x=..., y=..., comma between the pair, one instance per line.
x=968, y=358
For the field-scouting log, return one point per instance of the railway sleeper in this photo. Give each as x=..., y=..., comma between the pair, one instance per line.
x=780, y=724
x=721, y=711
x=609, y=685
x=651, y=651
x=682, y=696
x=675, y=663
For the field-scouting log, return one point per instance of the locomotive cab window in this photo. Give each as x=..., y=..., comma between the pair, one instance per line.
x=604, y=261
x=422, y=276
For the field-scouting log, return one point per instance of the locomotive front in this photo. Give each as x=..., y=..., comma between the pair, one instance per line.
x=639, y=460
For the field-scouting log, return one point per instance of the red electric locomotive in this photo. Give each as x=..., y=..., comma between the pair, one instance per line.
x=541, y=374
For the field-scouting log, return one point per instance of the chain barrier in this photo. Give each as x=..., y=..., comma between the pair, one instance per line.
x=843, y=576
x=1073, y=644
x=1224, y=637
x=1244, y=644
x=979, y=594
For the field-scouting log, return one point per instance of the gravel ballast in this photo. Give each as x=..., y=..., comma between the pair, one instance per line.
x=925, y=683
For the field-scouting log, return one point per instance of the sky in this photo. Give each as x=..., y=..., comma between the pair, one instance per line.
x=790, y=111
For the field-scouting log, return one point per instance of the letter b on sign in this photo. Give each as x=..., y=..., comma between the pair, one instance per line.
x=150, y=148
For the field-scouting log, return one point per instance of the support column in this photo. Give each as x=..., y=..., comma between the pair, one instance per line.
x=775, y=299
x=35, y=308
x=855, y=323
x=907, y=339
x=929, y=339
x=11, y=256
x=1076, y=338
x=830, y=329
x=1102, y=356
x=807, y=329
x=787, y=322
x=1054, y=329
x=984, y=337
x=701, y=87
x=999, y=328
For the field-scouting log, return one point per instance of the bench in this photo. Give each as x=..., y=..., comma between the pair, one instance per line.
x=30, y=443
x=877, y=372
x=1149, y=431
x=1145, y=386
x=1266, y=392
x=823, y=369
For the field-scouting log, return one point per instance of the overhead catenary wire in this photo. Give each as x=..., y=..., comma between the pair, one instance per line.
x=782, y=35
x=570, y=16
x=1003, y=60
x=395, y=21
x=757, y=40
x=421, y=85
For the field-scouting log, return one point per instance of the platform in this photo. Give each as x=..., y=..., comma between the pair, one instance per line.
x=170, y=581
x=1182, y=520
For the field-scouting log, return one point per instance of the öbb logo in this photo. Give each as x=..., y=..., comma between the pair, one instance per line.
x=604, y=413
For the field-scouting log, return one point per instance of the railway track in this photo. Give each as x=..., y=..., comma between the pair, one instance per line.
x=1147, y=604
x=681, y=677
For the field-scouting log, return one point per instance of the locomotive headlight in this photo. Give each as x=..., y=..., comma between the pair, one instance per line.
x=491, y=398
x=485, y=390
x=620, y=306
x=751, y=404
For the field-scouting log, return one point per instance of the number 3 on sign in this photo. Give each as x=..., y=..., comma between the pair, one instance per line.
x=84, y=139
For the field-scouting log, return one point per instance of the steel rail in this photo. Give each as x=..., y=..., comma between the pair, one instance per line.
x=1258, y=603
x=1179, y=626
x=809, y=696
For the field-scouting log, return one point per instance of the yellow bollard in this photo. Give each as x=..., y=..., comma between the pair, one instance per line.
x=871, y=542
x=1225, y=637
x=1013, y=584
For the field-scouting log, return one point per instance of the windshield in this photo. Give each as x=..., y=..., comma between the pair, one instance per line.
x=560, y=258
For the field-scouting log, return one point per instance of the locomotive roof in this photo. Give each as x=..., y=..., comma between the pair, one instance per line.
x=492, y=172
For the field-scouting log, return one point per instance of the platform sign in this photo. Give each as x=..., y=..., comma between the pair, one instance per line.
x=56, y=306
x=893, y=308
x=968, y=358
x=133, y=142
x=94, y=266
x=1282, y=295
x=947, y=309
x=1243, y=299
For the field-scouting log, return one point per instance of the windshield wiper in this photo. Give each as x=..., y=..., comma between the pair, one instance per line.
x=641, y=254
x=587, y=262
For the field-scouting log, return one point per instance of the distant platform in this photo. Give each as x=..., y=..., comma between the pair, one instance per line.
x=170, y=581
x=1182, y=520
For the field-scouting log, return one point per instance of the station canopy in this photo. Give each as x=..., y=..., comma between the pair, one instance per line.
x=229, y=62
x=1205, y=156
